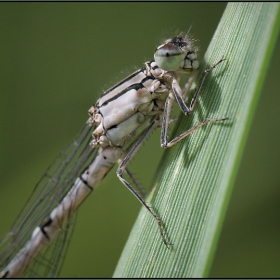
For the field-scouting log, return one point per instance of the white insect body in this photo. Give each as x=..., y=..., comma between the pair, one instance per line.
x=144, y=97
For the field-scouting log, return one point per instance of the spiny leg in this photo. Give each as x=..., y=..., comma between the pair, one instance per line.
x=188, y=84
x=165, y=120
x=138, y=186
x=122, y=167
x=172, y=121
x=195, y=96
x=177, y=93
x=165, y=144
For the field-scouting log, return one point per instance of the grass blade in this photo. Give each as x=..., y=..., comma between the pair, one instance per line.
x=193, y=183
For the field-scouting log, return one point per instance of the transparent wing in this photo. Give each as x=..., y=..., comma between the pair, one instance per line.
x=49, y=191
x=50, y=260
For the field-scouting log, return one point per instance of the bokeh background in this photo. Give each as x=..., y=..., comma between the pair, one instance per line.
x=55, y=61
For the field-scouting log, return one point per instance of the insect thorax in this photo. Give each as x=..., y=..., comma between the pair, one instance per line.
x=125, y=107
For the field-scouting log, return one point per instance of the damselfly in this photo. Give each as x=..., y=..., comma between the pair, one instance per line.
x=118, y=124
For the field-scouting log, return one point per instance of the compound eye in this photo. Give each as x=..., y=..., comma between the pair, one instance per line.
x=169, y=57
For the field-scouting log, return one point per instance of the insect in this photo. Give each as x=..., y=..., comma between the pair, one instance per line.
x=118, y=124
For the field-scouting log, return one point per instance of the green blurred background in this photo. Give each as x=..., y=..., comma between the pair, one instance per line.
x=55, y=61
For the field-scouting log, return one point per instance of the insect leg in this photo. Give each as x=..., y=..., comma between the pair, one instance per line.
x=124, y=163
x=166, y=144
x=177, y=93
x=138, y=186
x=172, y=121
x=188, y=84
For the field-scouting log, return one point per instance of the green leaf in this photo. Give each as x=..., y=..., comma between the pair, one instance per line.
x=193, y=183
